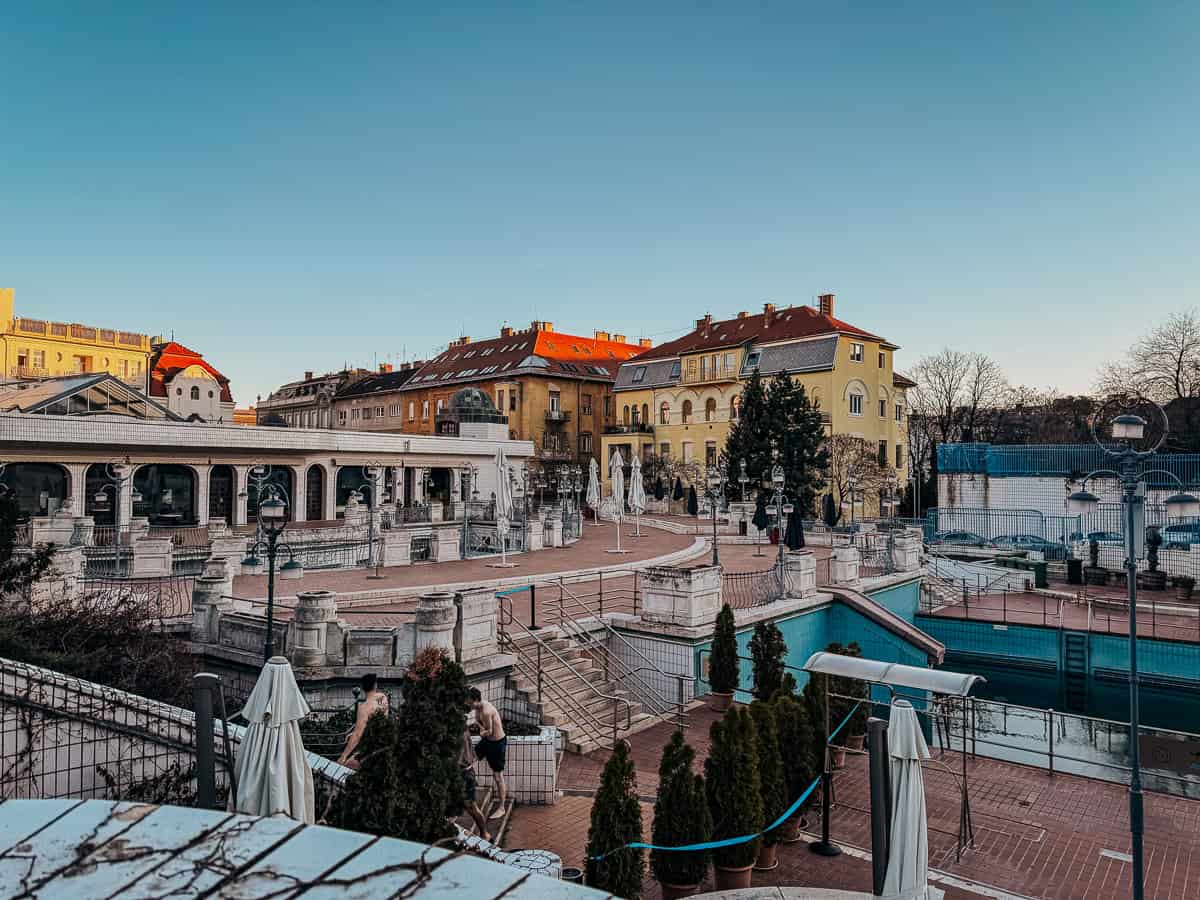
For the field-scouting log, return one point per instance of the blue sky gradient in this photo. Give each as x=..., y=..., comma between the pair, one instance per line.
x=295, y=186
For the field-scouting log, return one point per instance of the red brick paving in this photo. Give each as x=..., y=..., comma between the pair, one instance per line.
x=1035, y=835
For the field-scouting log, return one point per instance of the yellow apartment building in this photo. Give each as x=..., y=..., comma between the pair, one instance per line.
x=36, y=348
x=679, y=399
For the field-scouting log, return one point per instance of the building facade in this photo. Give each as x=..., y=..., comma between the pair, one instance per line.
x=679, y=399
x=374, y=402
x=188, y=385
x=37, y=348
x=555, y=389
x=307, y=403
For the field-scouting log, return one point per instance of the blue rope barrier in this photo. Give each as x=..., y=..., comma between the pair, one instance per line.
x=746, y=838
x=515, y=590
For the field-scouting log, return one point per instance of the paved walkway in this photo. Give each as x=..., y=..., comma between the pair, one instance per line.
x=1036, y=835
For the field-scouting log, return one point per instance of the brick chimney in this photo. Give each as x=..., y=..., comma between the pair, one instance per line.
x=385, y=368
x=825, y=302
x=703, y=325
x=308, y=376
x=645, y=343
x=743, y=315
x=506, y=331
x=541, y=326
x=601, y=336
x=619, y=338
x=465, y=339
x=768, y=314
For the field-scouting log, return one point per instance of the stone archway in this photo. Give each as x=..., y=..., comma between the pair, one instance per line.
x=168, y=492
x=39, y=488
x=314, y=493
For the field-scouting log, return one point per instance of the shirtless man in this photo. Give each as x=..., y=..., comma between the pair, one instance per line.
x=466, y=762
x=373, y=701
x=493, y=746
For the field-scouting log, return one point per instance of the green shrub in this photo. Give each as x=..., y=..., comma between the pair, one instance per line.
x=723, y=673
x=731, y=782
x=768, y=650
x=795, y=745
x=771, y=784
x=681, y=817
x=616, y=821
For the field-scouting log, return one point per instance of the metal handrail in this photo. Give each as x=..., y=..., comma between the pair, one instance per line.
x=664, y=704
x=542, y=645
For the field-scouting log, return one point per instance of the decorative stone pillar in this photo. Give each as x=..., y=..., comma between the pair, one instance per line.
x=77, y=493
x=533, y=534
x=208, y=604
x=843, y=568
x=435, y=621
x=139, y=528
x=241, y=490
x=801, y=568
x=906, y=553
x=396, y=547
x=355, y=515
x=476, y=639
x=678, y=596
x=299, y=498
x=315, y=612
x=398, y=486
x=84, y=530
x=151, y=557
x=447, y=542
x=553, y=533
x=217, y=527
x=126, y=489
x=330, y=482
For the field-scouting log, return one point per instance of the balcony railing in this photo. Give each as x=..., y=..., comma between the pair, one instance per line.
x=28, y=372
x=555, y=451
x=635, y=428
x=558, y=415
x=82, y=333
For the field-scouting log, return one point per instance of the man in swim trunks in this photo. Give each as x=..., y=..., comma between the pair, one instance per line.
x=493, y=746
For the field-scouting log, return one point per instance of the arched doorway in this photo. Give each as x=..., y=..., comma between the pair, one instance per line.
x=280, y=477
x=168, y=494
x=101, y=510
x=220, y=493
x=349, y=480
x=39, y=488
x=314, y=493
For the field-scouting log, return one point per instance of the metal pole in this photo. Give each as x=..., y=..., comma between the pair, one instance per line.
x=712, y=502
x=881, y=798
x=206, y=766
x=533, y=625
x=1050, y=725
x=1135, y=775
x=269, y=644
x=826, y=847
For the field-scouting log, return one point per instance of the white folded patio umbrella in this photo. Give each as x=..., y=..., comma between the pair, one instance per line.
x=593, y=488
x=273, y=775
x=908, y=864
x=504, y=504
x=637, y=494
x=616, y=475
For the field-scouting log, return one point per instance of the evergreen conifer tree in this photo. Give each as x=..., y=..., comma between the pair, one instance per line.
x=616, y=821
x=693, y=503
x=750, y=437
x=795, y=744
x=800, y=440
x=731, y=781
x=681, y=817
x=723, y=669
x=771, y=781
x=768, y=650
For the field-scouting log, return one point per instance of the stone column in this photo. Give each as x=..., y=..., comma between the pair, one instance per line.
x=331, y=473
x=208, y=604
x=398, y=486
x=241, y=488
x=126, y=490
x=435, y=621
x=203, y=476
x=843, y=568
x=77, y=493
x=906, y=553
x=315, y=612
x=84, y=530
x=299, y=496
x=678, y=596
x=801, y=568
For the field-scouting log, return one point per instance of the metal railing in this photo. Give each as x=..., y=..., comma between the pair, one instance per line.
x=532, y=663
x=411, y=515
x=747, y=590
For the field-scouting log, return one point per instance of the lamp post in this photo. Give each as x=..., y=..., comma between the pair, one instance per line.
x=114, y=472
x=852, y=482
x=272, y=518
x=371, y=471
x=1127, y=429
x=743, y=479
x=714, y=481
x=783, y=507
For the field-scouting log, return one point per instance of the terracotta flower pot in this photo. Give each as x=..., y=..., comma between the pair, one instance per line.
x=856, y=741
x=675, y=891
x=720, y=702
x=732, y=879
x=789, y=831
x=837, y=757
x=766, y=859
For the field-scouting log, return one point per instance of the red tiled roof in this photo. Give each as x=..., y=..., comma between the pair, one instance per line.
x=787, y=323
x=170, y=359
x=902, y=380
x=564, y=355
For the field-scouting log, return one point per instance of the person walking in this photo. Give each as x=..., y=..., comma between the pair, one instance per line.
x=466, y=763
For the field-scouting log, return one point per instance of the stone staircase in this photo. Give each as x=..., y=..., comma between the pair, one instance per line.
x=576, y=697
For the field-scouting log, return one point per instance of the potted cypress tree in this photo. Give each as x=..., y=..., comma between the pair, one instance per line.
x=768, y=649
x=1153, y=579
x=1184, y=586
x=681, y=817
x=734, y=799
x=723, y=672
x=616, y=821
x=796, y=754
x=771, y=784
x=1093, y=573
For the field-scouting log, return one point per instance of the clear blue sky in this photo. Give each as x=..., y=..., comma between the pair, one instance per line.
x=291, y=186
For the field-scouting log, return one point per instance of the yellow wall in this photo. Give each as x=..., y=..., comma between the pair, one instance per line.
x=39, y=348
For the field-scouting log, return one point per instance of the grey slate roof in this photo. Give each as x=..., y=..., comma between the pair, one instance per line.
x=97, y=848
x=658, y=374
x=802, y=356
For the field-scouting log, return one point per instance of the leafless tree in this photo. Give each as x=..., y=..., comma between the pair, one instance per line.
x=1163, y=365
x=857, y=457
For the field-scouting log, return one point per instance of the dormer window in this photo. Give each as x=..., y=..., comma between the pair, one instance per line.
x=639, y=374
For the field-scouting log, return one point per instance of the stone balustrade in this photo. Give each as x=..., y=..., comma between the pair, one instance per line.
x=843, y=567
x=687, y=597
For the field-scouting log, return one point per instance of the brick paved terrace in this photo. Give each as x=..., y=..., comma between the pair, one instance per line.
x=1055, y=837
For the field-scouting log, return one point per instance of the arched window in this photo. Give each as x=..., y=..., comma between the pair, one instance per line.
x=664, y=413
x=195, y=393
x=646, y=413
x=687, y=411
x=735, y=409
x=710, y=409
x=625, y=415
x=636, y=413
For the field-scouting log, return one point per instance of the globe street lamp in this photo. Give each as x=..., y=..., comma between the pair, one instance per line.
x=743, y=479
x=272, y=518
x=1128, y=428
x=714, y=483
x=852, y=482
x=783, y=508
x=117, y=479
